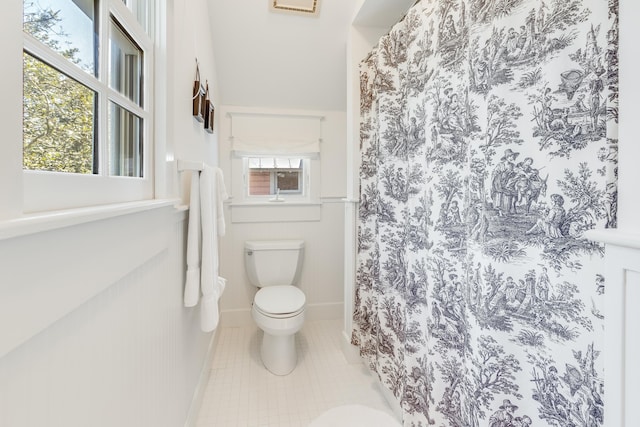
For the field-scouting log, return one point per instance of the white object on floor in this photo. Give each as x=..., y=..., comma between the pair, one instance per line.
x=354, y=416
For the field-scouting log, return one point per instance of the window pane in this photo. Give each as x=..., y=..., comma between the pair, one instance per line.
x=58, y=123
x=125, y=142
x=125, y=64
x=288, y=181
x=259, y=182
x=66, y=26
x=267, y=175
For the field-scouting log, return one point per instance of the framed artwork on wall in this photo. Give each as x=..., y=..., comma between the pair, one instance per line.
x=209, y=111
x=199, y=95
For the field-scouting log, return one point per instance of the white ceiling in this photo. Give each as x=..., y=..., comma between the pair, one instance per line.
x=284, y=60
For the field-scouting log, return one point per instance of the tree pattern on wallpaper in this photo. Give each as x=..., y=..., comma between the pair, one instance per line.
x=488, y=147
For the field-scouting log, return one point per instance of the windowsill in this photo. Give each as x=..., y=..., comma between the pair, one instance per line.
x=47, y=221
x=276, y=204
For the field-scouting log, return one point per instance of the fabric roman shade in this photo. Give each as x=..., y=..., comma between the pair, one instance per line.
x=281, y=148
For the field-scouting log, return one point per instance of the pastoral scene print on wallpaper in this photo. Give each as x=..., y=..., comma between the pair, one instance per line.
x=488, y=147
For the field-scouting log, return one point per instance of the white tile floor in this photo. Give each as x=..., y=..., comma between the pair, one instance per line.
x=241, y=392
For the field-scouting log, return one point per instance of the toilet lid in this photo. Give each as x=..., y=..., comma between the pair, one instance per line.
x=279, y=299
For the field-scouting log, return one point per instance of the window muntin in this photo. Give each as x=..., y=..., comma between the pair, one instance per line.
x=69, y=27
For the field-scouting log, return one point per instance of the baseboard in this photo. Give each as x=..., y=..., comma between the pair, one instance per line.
x=198, y=395
x=236, y=318
x=242, y=317
x=325, y=311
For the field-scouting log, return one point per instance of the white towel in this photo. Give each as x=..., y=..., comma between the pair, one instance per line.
x=210, y=225
x=222, y=196
x=192, y=282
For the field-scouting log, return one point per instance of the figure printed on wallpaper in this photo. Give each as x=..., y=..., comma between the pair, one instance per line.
x=477, y=224
x=474, y=290
x=499, y=297
x=449, y=31
x=524, y=421
x=454, y=118
x=503, y=417
x=452, y=33
x=596, y=86
x=366, y=93
x=509, y=189
x=451, y=113
x=511, y=292
x=436, y=314
x=578, y=106
x=500, y=130
x=573, y=398
x=550, y=393
x=488, y=67
x=550, y=224
x=527, y=296
x=448, y=320
x=501, y=177
x=529, y=185
x=453, y=303
x=444, y=214
x=543, y=285
x=454, y=213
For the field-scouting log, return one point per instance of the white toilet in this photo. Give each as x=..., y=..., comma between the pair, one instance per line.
x=278, y=307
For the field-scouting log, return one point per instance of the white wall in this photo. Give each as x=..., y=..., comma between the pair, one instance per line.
x=93, y=328
x=129, y=355
x=629, y=143
x=322, y=271
x=190, y=40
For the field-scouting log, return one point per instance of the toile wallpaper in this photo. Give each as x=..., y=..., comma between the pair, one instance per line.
x=488, y=146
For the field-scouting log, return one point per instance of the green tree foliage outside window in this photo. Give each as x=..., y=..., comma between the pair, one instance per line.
x=58, y=116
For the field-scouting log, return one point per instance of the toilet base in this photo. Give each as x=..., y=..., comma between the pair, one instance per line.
x=278, y=353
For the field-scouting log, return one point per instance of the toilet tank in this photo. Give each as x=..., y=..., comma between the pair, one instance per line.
x=273, y=262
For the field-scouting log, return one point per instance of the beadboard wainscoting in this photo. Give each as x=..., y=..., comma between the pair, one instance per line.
x=622, y=317
x=93, y=327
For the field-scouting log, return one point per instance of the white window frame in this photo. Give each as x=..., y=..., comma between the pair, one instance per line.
x=301, y=196
x=46, y=191
x=240, y=183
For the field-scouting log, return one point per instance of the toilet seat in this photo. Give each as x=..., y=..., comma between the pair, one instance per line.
x=279, y=301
